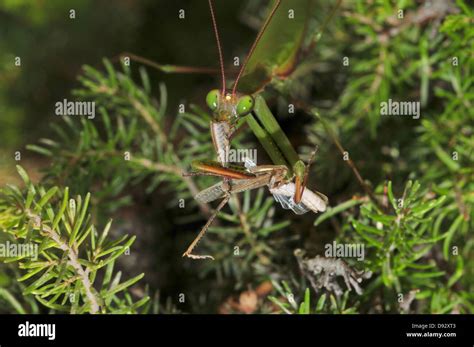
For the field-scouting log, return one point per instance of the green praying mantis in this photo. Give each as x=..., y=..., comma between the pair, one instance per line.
x=227, y=107
x=273, y=56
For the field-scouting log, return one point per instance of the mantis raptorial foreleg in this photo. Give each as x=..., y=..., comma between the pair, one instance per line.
x=270, y=124
x=302, y=180
x=267, y=143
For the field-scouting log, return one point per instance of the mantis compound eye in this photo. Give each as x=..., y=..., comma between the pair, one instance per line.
x=212, y=99
x=245, y=105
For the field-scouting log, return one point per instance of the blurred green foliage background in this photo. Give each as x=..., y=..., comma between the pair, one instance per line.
x=408, y=58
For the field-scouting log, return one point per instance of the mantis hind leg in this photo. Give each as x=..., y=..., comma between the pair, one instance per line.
x=166, y=68
x=198, y=238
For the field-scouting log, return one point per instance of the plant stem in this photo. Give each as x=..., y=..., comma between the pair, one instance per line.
x=73, y=260
x=349, y=161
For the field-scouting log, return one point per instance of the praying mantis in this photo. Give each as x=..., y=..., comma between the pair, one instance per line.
x=228, y=106
x=272, y=56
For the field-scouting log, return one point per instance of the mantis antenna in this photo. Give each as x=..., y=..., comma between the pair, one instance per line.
x=219, y=48
x=254, y=45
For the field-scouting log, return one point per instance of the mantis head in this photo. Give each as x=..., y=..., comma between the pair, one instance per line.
x=229, y=106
